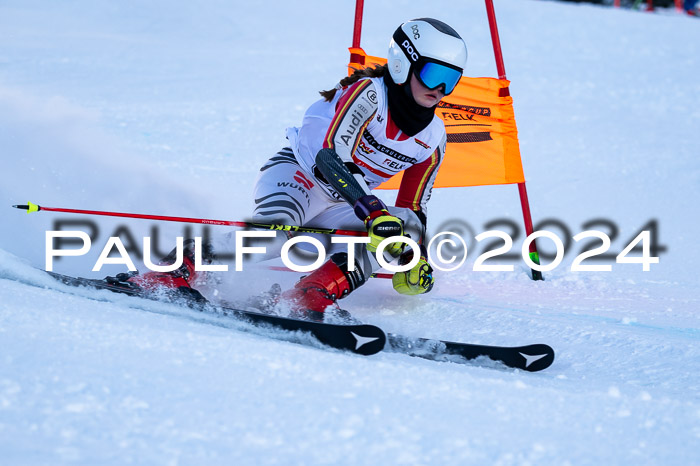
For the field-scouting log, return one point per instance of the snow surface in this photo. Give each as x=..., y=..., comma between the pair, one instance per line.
x=170, y=107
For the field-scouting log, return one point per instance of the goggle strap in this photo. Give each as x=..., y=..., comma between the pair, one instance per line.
x=406, y=46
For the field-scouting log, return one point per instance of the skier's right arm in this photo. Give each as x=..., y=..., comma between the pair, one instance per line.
x=353, y=113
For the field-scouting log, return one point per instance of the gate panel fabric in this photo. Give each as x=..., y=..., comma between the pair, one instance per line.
x=482, y=138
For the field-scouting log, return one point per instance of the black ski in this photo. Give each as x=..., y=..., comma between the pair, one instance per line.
x=530, y=358
x=362, y=339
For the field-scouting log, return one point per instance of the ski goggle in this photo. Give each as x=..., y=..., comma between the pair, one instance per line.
x=433, y=75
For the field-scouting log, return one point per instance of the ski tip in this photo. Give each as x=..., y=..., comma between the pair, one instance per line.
x=29, y=207
x=537, y=357
x=369, y=340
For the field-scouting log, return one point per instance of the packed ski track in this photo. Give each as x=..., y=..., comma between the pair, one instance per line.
x=170, y=108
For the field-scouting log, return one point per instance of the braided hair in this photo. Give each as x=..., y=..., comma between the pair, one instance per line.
x=370, y=72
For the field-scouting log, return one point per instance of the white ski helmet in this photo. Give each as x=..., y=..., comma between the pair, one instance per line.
x=431, y=49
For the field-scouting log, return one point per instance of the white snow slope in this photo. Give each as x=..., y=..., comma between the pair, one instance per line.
x=170, y=107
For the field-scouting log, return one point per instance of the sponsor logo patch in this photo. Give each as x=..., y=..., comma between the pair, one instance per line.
x=485, y=111
x=354, y=124
x=372, y=96
x=386, y=150
x=416, y=31
x=409, y=50
x=365, y=148
x=301, y=179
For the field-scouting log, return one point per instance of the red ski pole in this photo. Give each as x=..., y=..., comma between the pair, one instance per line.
x=30, y=207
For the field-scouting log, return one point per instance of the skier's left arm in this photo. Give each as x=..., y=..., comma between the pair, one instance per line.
x=414, y=193
x=417, y=186
x=335, y=161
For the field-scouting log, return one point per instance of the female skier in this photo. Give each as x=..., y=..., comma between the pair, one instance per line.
x=372, y=125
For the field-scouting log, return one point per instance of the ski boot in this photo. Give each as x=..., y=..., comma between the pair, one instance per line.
x=174, y=285
x=315, y=293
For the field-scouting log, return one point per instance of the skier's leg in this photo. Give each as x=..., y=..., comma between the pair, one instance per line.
x=284, y=194
x=340, y=276
x=181, y=279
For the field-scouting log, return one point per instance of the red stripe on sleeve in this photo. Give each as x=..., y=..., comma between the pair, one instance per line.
x=342, y=108
x=415, y=181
